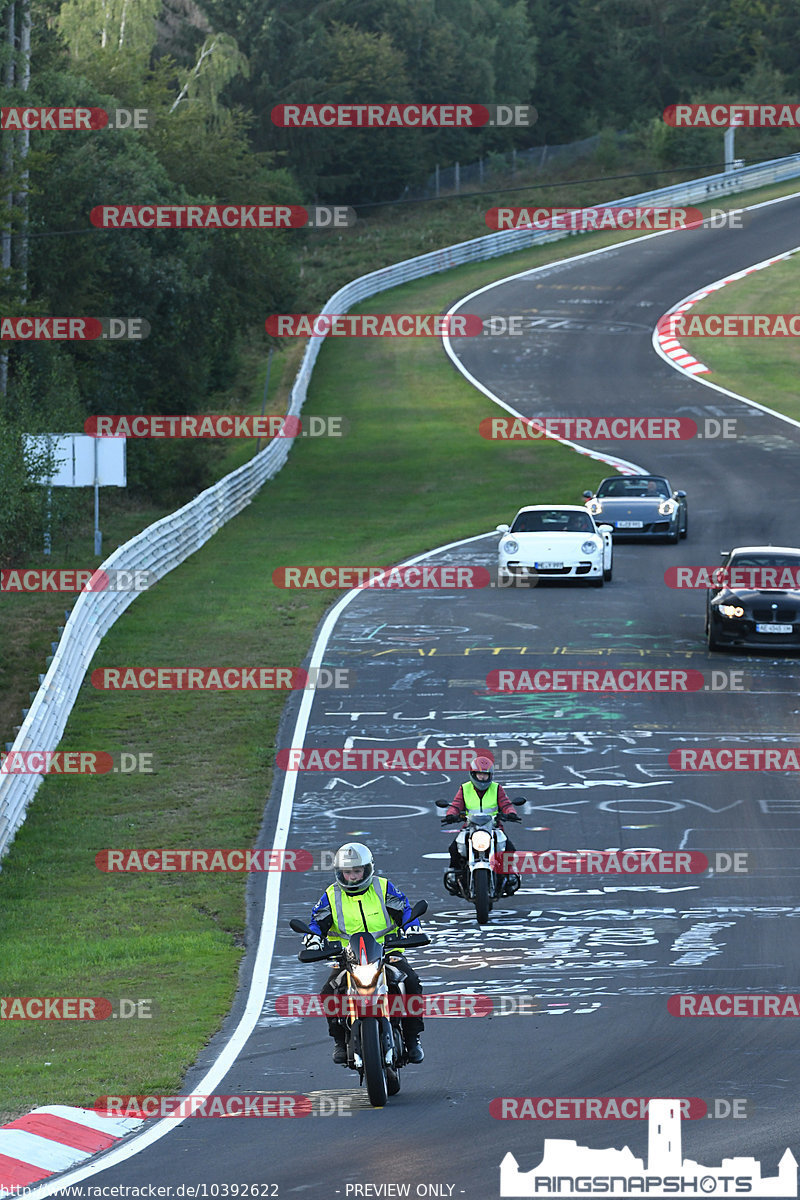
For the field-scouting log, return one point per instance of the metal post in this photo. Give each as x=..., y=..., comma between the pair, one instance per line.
x=264, y=399
x=98, y=537
x=729, y=148
x=458, y=178
x=47, y=531
x=436, y=177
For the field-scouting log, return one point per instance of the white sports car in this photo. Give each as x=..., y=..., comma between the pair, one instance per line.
x=547, y=541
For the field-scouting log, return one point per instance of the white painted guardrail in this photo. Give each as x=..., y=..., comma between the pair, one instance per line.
x=169, y=542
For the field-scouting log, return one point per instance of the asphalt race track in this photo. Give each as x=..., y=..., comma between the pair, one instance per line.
x=597, y=957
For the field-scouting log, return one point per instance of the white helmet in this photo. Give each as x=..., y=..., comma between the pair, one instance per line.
x=352, y=857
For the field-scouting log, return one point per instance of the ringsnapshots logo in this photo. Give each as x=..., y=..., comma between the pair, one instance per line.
x=567, y=1169
x=402, y=116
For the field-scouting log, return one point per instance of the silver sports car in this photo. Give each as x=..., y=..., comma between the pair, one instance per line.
x=640, y=506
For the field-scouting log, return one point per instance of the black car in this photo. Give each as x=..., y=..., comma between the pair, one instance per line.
x=756, y=602
x=640, y=506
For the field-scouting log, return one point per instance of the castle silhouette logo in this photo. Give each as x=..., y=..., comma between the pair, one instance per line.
x=568, y=1169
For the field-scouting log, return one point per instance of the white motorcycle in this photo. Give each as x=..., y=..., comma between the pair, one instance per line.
x=480, y=843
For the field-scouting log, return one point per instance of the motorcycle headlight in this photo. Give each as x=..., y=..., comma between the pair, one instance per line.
x=365, y=974
x=731, y=610
x=588, y=547
x=481, y=840
x=511, y=547
x=666, y=508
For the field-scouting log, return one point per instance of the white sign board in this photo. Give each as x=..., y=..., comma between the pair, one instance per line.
x=78, y=456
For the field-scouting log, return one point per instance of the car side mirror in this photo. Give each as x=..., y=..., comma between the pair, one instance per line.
x=606, y=528
x=503, y=528
x=680, y=495
x=587, y=495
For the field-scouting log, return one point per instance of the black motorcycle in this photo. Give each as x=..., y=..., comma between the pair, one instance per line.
x=374, y=1035
x=480, y=843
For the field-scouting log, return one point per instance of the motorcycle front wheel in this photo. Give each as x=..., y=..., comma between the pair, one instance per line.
x=481, y=886
x=372, y=1056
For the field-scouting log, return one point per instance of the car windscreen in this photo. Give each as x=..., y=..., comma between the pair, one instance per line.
x=764, y=560
x=552, y=521
x=633, y=487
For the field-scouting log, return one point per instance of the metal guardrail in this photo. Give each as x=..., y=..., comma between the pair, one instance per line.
x=169, y=542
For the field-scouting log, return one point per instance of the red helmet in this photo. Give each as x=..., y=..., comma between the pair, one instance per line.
x=481, y=766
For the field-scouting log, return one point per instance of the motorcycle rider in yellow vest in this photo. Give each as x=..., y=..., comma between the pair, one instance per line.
x=358, y=900
x=479, y=792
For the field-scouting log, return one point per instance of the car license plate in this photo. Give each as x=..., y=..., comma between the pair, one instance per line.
x=774, y=628
x=630, y=524
x=549, y=566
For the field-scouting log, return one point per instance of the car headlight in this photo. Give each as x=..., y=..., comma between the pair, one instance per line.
x=481, y=840
x=667, y=507
x=511, y=547
x=731, y=610
x=588, y=547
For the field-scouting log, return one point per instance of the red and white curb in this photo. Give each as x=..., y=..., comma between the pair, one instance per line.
x=50, y=1139
x=671, y=348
